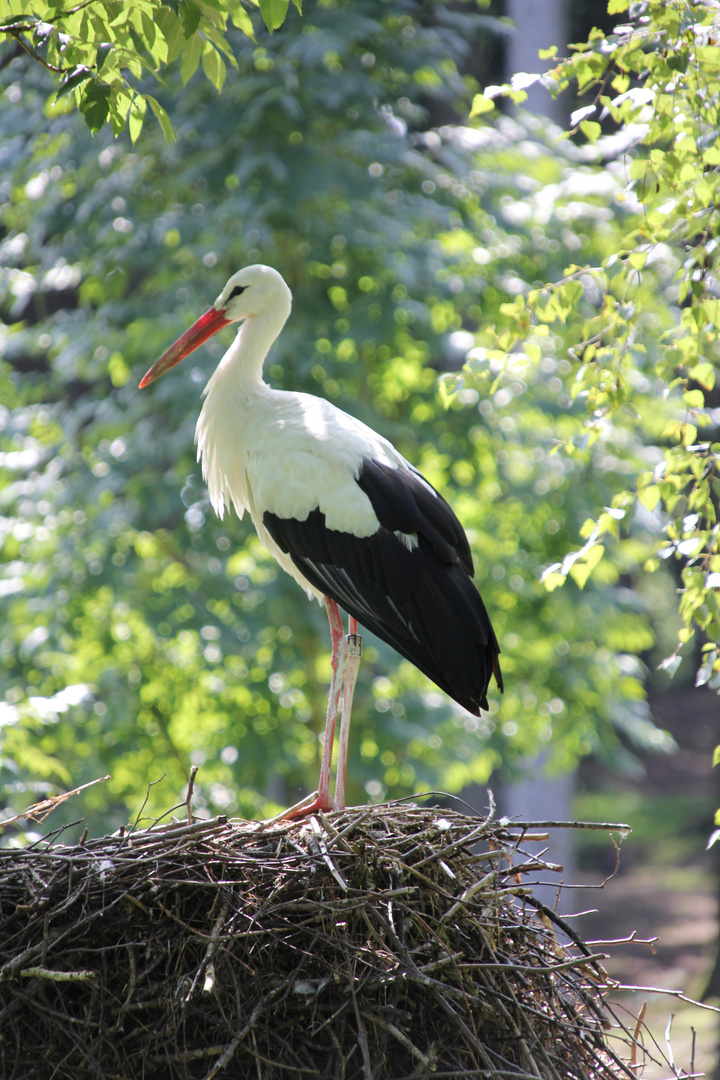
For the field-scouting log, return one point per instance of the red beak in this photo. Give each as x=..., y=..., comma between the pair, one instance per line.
x=207, y=325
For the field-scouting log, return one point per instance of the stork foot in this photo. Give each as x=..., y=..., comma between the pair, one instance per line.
x=306, y=806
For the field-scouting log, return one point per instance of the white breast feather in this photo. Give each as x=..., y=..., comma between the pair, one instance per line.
x=223, y=455
x=288, y=453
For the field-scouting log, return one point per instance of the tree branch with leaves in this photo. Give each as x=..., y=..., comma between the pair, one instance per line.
x=654, y=97
x=101, y=50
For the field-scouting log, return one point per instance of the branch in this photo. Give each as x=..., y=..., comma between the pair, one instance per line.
x=16, y=32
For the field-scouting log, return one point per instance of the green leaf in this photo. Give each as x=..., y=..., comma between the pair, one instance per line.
x=94, y=104
x=162, y=117
x=688, y=434
x=591, y=130
x=481, y=104
x=704, y=374
x=241, y=19
x=214, y=67
x=637, y=259
x=694, y=399
x=649, y=496
x=78, y=76
x=552, y=579
x=582, y=568
x=716, y=761
x=118, y=109
x=191, y=14
x=191, y=57
x=136, y=116
x=616, y=7
x=103, y=54
x=448, y=386
x=171, y=28
x=273, y=12
x=155, y=40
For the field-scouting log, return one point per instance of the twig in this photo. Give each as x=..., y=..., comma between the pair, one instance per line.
x=322, y=850
x=602, y=826
x=631, y=939
x=636, y=1035
x=39, y=811
x=15, y=32
x=627, y=987
x=151, y=784
x=58, y=976
x=190, y=790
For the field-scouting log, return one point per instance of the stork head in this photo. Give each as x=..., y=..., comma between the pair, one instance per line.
x=255, y=291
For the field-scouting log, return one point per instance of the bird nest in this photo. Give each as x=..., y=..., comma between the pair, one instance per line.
x=376, y=943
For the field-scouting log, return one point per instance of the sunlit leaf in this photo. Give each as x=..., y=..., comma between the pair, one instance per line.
x=136, y=117
x=162, y=117
x=273, y=12
x=214, y=67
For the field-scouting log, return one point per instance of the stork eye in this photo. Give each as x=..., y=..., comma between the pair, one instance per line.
x=237, y=291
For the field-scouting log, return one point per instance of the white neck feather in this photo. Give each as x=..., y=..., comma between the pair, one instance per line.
x=243, y=361
x=229, y=392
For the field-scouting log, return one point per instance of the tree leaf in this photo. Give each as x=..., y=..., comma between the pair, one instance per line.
x=94, y=104
x=582, y=568
x=172, y=30
x=162, y=117
x=136, y=116
x=214, y=67
x=480, y=105
x=191, y=57
x=273, y=13
x=78, y=76
x=190, y=14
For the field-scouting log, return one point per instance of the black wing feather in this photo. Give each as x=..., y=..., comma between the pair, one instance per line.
x=405, y=502
x=422, y=601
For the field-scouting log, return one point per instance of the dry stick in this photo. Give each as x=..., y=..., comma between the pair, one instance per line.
x=318, y=841
x=668, y=993
x=40, y=810
x=386, y=1025
x=361, y=1029
x=602, y=826
x=58, y=976
x=471, y=838
x=160, y=834
x=468, y=895
x=551, y=969
x=190, y=790
x=636, y=1035
x=631, y=939
x=151, y=784
x=239, y=1036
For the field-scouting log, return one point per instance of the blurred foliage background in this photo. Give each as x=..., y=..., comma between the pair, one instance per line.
x=140, y=634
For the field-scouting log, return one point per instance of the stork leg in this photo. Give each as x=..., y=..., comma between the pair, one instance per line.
x=353, y=646
x=320, y=799
x=338, y=663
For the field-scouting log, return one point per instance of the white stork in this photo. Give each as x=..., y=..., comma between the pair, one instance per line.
x=341, y=510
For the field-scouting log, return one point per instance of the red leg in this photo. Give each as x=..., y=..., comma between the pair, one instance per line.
x=337, y=663
x=352, y=665
x=321, y=800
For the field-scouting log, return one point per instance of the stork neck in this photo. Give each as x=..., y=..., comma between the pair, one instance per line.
x=246, y=355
